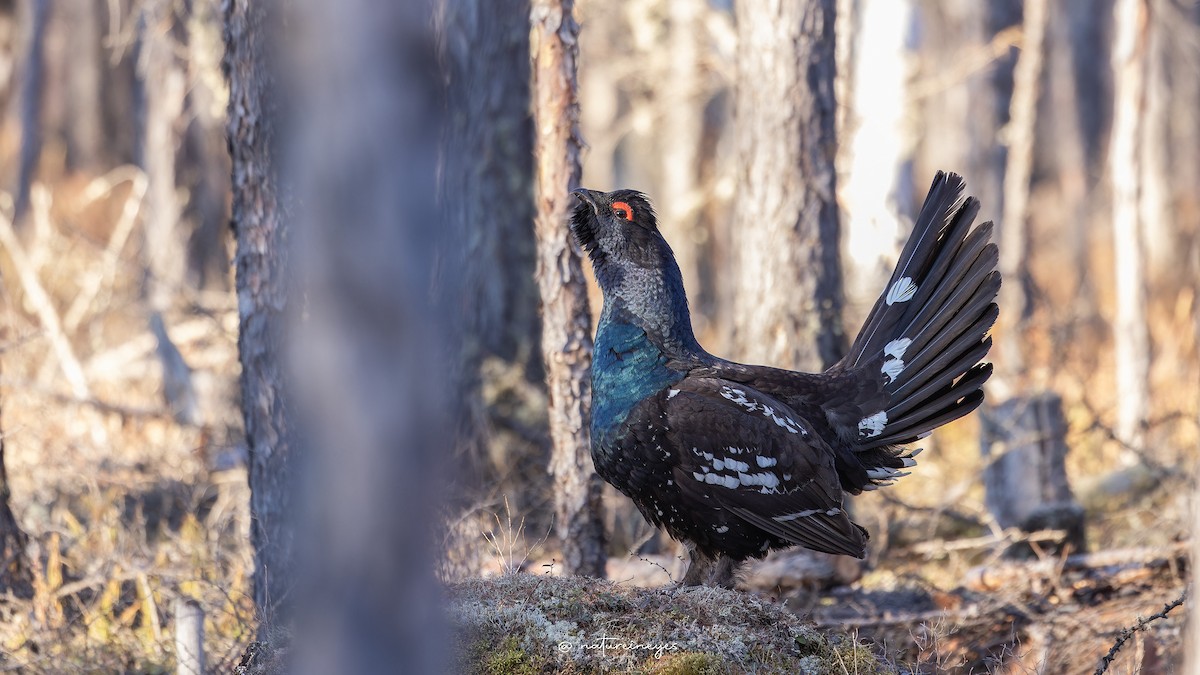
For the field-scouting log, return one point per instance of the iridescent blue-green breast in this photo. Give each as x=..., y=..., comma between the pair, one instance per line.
x=627, y=368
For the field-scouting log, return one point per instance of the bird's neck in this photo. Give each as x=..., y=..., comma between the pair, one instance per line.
x=653, y=300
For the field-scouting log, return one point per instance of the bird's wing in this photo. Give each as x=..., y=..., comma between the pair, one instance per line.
x=756, y=458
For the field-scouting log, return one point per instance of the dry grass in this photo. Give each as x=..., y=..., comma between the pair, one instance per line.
x=126, y=508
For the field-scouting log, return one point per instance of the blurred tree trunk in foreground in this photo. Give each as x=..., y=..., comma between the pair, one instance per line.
x=566, y=321
x=374, y=345
x=789, y=304
x=263, y=295
x=1131, y=340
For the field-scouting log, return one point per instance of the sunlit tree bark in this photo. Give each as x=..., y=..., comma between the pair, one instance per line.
x=566, y=321
x=264, y=298
x=789, y=295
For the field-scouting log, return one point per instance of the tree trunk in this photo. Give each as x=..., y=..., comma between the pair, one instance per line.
x=163, y=247
x=1130, y=336
x=877, y=187
x=263, y=299
x=489, y=169
x=566, y=321
x=787, y=307
x=789, y=304
x=1161, y=244
x=85, y=60
x=373, y=341
x=488, y=188
x=1018, y=176
x=682, y=128
x=208, y=180
x=33, y=72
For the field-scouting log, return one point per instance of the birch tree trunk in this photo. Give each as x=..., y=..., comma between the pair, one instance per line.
x=1160, y=240
x=682, y=199
x=566, y=321
x=1130, y=336
x=877, y=189
x=261, y=229
x=789, y=295
x=1018, y=172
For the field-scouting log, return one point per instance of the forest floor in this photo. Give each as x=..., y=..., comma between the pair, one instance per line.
x=126, y=507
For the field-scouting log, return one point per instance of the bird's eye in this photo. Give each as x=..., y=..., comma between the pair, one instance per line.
x=622, y=210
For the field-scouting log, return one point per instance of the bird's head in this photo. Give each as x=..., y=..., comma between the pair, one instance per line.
x=617, y=227
x=633, y=263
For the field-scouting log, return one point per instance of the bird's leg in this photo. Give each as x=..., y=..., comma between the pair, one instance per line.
x=698, y=569
x=723, y=572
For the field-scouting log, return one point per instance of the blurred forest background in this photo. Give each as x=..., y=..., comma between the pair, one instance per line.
x=1075, y=123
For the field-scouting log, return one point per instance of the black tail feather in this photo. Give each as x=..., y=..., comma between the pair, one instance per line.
x=927, y=333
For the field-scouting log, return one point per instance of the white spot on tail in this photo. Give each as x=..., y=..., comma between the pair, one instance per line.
x=892, y=369
x=901, y=291
x=896, y=348
x=873, y=425
x=886, y=473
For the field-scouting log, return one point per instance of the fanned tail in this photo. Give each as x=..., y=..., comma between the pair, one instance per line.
x=926, y=335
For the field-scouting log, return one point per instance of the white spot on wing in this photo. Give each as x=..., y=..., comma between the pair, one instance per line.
x=728, y=481
x=671, y=394
x=901, y=291
x=738, y=396
x=794, y=516
x=766, y=462
x=765, y=479
x=873, y=425
x=722, y=529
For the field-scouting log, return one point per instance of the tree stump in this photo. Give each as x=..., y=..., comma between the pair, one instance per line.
x=1024, y=440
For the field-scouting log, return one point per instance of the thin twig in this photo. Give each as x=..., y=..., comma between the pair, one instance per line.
x=1011, y=535
x=45, y=311
x=1141, y=624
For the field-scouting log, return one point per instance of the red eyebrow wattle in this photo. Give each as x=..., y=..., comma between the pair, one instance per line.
x=623, y=205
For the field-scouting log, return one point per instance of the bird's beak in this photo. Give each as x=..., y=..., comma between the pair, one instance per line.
x=589, y=196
